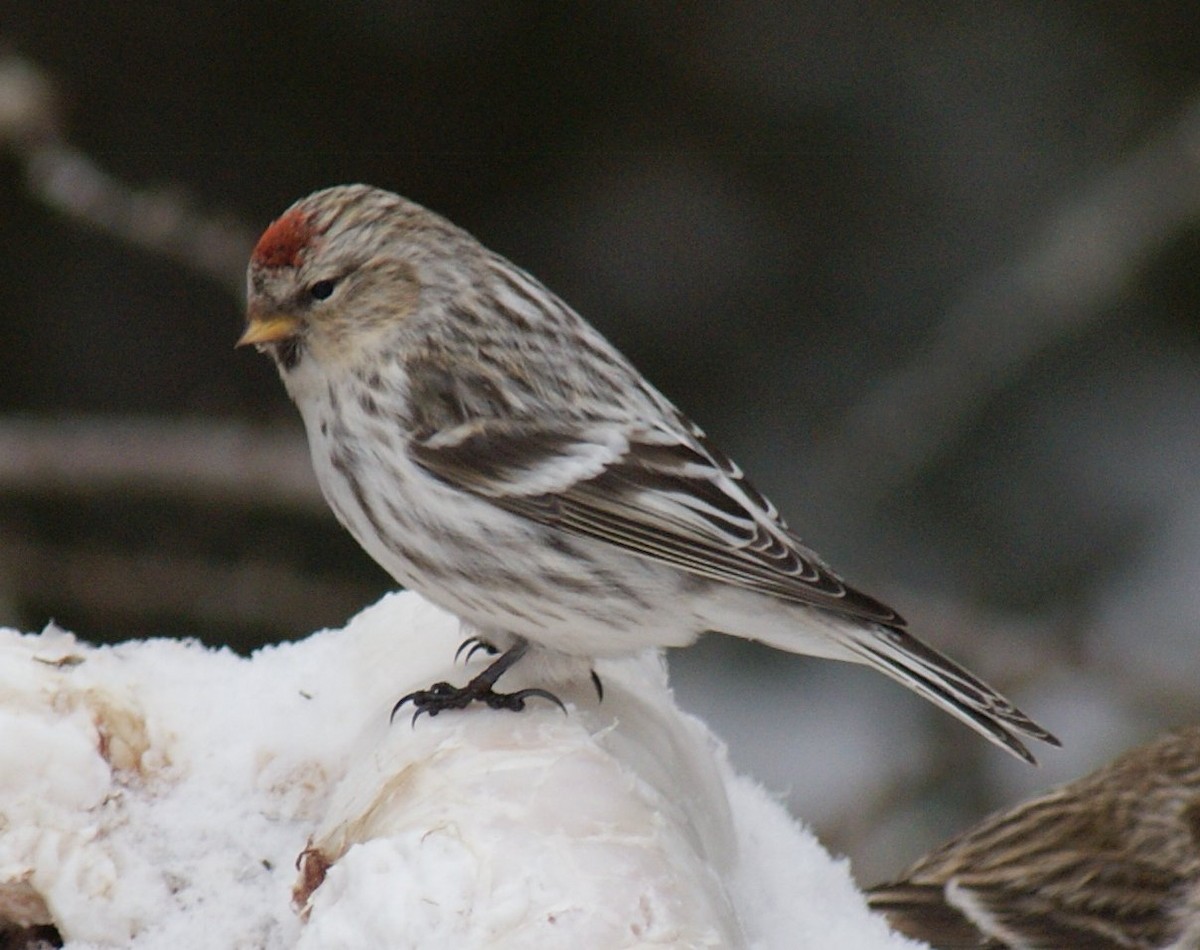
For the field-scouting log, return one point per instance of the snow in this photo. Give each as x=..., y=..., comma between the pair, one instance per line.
x=161, y=794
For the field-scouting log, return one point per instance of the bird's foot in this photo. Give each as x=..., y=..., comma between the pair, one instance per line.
x=443, y=696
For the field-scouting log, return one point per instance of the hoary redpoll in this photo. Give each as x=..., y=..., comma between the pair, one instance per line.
x=1109, y=861
x=495, y=453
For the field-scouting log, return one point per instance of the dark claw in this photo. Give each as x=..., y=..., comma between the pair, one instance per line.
x=516, y=701
x=599, y=686
x=442, y=696
x=475, y=644
x=439, y=696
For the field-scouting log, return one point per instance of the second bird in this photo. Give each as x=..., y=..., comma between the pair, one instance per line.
x=492, y=451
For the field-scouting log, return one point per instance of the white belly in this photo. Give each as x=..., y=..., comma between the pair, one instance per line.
x=497, y=571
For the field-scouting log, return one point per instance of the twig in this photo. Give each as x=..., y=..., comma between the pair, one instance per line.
x=229, y=462
x=163, y=220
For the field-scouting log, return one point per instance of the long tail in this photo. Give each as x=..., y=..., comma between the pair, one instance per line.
x=942, y=681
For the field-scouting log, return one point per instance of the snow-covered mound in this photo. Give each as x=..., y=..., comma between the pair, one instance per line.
x=160, y=794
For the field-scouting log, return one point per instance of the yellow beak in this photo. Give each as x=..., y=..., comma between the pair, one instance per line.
x=269, y=328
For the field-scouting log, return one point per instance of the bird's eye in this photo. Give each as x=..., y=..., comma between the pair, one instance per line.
x=322, y=289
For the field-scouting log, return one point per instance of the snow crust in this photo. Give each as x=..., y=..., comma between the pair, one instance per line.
x=161, y=794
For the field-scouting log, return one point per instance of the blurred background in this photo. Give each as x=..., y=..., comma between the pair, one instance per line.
x=929, y=272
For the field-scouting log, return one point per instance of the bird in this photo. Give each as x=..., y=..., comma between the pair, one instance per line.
x=1111, y=860
x=493, y=451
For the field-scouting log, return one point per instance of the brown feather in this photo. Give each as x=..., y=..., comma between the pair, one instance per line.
x=1110, y=860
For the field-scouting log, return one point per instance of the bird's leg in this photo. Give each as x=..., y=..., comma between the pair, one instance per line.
x=441, y=696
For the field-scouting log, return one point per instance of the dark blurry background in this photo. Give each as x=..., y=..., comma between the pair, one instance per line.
x=928, y=271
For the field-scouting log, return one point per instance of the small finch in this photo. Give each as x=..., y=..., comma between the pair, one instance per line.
x=495, y=453
x=1108, y=861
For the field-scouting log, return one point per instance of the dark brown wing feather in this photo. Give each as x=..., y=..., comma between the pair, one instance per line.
x=675, y=501
x=1110, y=860
x=920, y=911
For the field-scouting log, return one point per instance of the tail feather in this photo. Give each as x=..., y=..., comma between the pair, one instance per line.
x=943, y=682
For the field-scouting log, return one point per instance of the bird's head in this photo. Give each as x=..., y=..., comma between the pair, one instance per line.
x=340, y=267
